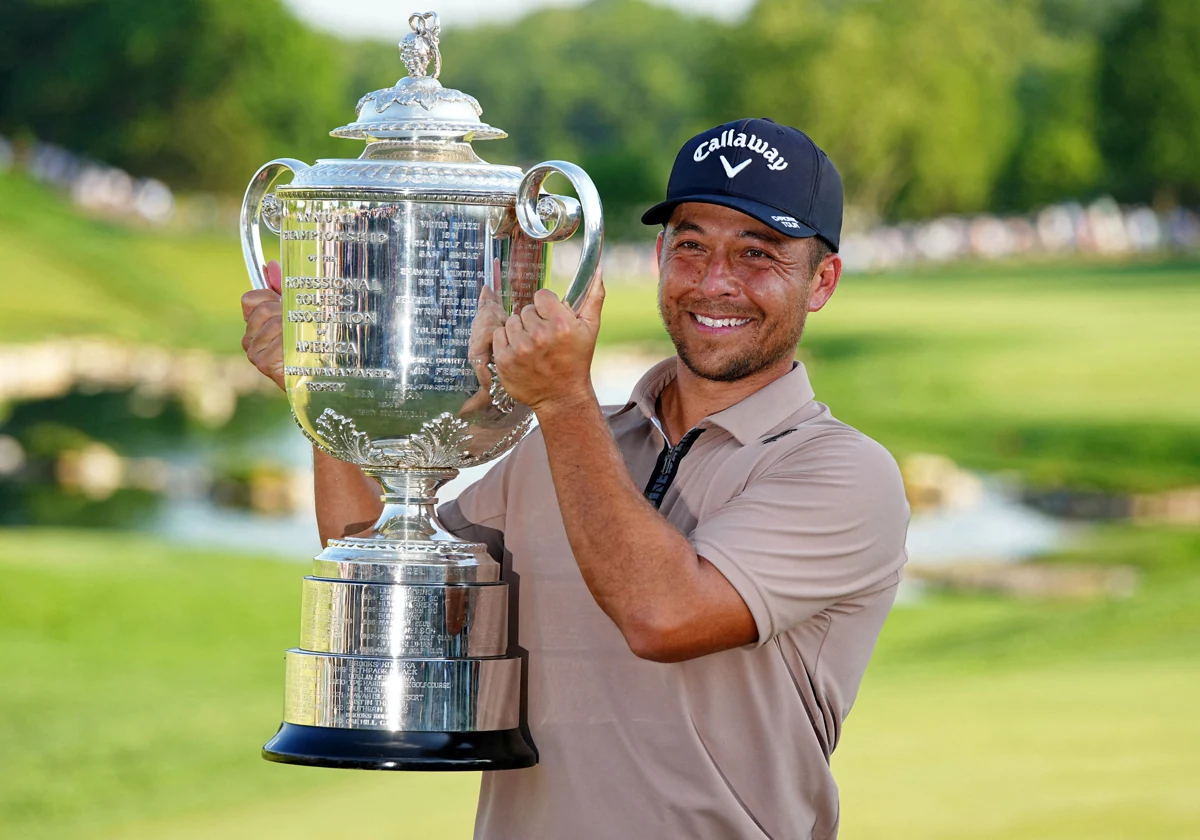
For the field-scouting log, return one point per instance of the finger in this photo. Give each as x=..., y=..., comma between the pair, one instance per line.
x=488, y=295
x=269, y=361
x=500, y=339
x=264, y=353
x=274, y=275
x=593, y=301
x=269, y=311
x=269, y=331
x=531, y=318
x=253, y=298
x=491, y=312
x=549, y=306
x=516, y=325
x=494, y=282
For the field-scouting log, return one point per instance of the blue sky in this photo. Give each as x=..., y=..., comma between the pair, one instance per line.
x=387, y=18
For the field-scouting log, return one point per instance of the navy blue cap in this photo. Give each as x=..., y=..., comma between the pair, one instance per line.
x=774, y=173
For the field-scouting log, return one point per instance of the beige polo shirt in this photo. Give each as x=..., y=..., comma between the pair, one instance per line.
x=806, y=517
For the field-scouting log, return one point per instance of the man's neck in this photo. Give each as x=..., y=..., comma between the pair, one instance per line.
x=687, y=399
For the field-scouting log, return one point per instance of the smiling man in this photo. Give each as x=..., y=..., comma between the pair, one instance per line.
x=704, y=571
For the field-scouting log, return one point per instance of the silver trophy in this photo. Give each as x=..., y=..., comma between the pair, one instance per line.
x=405, y=659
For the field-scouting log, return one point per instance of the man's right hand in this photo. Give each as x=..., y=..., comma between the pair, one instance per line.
x=263, y=313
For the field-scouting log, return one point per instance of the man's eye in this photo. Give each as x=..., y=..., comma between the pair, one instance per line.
x=755, y=253
x=688, y=245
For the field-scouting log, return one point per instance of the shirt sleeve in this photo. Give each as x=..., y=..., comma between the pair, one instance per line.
x=825, y=523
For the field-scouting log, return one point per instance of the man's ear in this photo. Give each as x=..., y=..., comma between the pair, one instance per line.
x=825, y=282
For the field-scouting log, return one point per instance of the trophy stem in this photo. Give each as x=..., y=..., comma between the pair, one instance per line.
x=410, y=504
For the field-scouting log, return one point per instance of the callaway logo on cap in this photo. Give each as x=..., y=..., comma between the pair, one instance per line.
x=772, y=172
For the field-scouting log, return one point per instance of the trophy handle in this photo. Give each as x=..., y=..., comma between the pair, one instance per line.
x=260, y=205
x=534, y=211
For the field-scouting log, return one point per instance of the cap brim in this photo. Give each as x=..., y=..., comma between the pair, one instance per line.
x=660, y=213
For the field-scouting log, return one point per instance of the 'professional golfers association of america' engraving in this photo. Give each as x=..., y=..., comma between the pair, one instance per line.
x=405, y=661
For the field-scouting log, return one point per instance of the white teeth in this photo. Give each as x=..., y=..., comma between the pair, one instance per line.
x=720, y=322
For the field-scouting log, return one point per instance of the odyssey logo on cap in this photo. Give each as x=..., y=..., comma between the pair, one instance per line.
x=734, y=139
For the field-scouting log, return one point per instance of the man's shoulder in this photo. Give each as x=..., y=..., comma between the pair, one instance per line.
x=813, y=440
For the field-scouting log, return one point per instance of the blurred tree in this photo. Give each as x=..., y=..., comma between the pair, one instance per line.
x=1150, y=99
x=615, y=86
x=926, y=106
x=199, y=92
x=1056, y=154
x=913, y=99
x=1087, y=19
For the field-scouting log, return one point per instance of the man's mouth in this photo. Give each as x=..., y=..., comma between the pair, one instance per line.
x=718, y=323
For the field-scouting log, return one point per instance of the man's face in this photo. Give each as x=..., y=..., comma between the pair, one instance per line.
x=734, y=293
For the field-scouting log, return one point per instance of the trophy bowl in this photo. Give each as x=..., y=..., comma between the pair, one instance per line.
x=397, y=268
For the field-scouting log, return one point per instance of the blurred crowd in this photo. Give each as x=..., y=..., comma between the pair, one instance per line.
x=1100, y=228
x=92, y=186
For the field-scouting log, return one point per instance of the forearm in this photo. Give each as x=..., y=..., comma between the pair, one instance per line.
x=640, y=569
x=347, y=500
x=669, y=603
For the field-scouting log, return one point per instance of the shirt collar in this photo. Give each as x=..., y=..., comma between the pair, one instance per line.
x=747, y=420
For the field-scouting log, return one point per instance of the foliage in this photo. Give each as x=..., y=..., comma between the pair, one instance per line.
x=912, y=98
x=927, y=106
x=1150, y=92
x=1056, y=153
x=199, y=92
x=614, y=86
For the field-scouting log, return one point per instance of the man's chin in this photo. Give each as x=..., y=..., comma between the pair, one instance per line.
x=719, y=370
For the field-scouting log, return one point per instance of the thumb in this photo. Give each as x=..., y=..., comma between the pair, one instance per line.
x=593, y=301
x=274, y=275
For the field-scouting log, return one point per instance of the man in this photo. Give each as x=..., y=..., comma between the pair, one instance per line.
x=705, y=570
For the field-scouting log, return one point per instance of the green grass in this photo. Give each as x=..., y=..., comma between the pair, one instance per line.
x=140, y=681
x=69, y=275
x=1062, y=753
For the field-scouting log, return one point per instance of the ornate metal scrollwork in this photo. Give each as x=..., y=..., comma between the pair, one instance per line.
x=441, y=443
x=272, y=212
x=500, y=398
x=420, y=46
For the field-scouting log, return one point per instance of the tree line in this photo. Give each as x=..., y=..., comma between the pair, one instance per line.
x=926, y=106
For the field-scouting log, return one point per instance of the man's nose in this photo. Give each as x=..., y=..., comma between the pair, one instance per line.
x=718, y=279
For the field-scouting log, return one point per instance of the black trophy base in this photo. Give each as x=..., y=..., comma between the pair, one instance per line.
x=377, y=749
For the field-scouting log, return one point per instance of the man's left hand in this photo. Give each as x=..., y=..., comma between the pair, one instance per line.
x=545, y=355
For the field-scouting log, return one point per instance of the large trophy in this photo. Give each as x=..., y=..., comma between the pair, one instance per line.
x=395, y=268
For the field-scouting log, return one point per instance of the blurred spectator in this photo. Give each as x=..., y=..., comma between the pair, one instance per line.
x=95, y=187
x=1102, y=228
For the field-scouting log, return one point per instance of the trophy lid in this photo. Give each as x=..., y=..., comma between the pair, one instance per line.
x=418, y=106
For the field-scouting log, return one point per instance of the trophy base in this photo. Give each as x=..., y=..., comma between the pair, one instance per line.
x=381, y=749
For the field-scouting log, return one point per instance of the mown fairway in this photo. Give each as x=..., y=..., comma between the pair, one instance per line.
x=140, y=681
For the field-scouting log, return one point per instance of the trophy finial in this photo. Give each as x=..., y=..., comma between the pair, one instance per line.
x=420, y=46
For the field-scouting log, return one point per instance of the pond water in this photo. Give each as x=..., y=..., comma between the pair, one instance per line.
x=993, y=526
